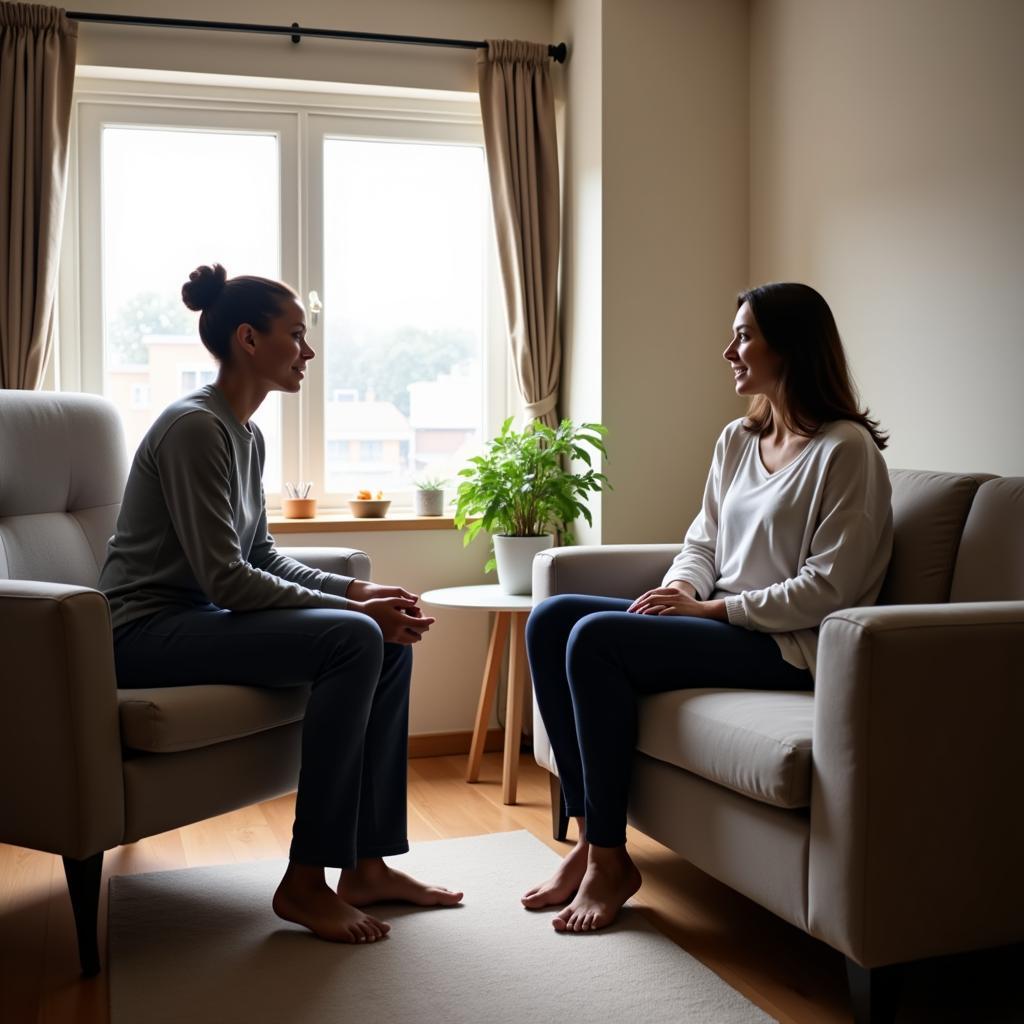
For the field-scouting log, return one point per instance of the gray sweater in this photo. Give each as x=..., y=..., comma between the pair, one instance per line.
x=193, y=524
x=785, y=549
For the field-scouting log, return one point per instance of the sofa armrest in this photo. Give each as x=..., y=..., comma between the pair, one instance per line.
x=916, y=832
x=609, y=570
x=61, y=780
x=342, y=561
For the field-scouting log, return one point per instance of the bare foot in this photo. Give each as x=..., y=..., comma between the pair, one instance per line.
x=372, y=881
x=610, y=879
x=302, y=899
x=562, y=885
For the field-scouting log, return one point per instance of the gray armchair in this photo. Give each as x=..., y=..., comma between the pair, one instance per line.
x=84, y=766
x=880, y=813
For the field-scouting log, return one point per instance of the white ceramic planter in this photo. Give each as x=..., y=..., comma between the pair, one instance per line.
x=514, y=556
x=428, y=503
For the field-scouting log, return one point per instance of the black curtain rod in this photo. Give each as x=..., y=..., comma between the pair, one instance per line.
x=557, y=53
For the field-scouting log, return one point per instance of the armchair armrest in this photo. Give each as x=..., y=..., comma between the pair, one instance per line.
x=60, y=747
x=609, y=570
x=916, y=832
x=342, y=561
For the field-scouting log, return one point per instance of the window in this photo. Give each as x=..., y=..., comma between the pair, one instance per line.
x=417, y=211
x=379, y=205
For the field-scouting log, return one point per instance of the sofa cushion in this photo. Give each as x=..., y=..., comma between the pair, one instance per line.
x=928, y=513
x=990, y=563
x=755, y=742
x=166, y=719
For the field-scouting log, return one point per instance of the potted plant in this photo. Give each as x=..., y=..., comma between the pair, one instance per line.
x=428, y=498
x=523, y=492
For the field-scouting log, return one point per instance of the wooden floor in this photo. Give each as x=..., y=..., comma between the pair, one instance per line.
x=789, y=975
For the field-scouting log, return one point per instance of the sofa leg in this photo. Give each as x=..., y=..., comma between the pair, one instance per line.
x=559, y=819
x=874, y=992
x=84, y=888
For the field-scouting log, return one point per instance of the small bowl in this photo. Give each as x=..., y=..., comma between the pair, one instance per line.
x=369, y=508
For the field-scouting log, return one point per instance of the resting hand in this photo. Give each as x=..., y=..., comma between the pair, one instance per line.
x=677, y=599
x=399, y=618
x=362, y=590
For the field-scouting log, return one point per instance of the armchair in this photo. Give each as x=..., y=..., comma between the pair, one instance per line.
x=879, y=813
x=85, y=766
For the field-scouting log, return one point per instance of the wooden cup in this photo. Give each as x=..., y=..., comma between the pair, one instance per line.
x=298, y=508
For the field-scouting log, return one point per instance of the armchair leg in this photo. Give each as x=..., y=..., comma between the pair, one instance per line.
x=84, y=888
x=559, y=819
x=874, y=992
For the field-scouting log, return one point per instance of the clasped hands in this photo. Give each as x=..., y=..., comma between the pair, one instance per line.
x=394, y=609
x=678, y=598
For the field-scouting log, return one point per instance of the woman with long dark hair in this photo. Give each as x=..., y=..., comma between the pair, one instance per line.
x=796, y=523
x=198, y=593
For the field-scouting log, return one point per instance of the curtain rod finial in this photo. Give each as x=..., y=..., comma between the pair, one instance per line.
x=558, y=53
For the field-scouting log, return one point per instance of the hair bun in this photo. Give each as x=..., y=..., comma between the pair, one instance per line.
x=203, y=287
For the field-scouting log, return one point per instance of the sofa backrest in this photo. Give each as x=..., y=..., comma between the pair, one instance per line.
x=62, y=476
x=929, y=511
x=990, y=563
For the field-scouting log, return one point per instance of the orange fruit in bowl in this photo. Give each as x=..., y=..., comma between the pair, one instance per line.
x=363, y=495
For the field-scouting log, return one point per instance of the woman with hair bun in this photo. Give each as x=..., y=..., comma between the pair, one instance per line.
x=795, y=524
x=198, y=592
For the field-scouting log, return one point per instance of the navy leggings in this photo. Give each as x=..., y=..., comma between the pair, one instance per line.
x=591, y=660
x=351, y=800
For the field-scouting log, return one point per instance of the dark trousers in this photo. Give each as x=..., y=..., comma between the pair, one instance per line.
x=351, y=799
x=590, y=662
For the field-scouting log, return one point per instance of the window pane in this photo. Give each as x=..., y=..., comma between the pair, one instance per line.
x=404, y=237
x=173, y=199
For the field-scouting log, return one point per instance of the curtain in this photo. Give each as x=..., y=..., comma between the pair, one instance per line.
x=37, y=71
x=522, y=161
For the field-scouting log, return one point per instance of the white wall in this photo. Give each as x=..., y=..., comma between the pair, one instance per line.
x=656, y=96
x=578, y=103
x=887, y=147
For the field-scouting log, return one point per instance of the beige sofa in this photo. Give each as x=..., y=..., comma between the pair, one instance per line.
x=882, y=813
x=84, y=766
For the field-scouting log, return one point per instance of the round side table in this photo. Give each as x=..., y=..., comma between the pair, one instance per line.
x=511, y=611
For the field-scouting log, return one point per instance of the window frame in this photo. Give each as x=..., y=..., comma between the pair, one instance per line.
x=301, y=119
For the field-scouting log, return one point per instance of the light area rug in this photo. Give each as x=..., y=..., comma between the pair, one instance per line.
x=202, y=945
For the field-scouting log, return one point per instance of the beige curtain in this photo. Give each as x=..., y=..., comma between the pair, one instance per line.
x=522, y=160
x=37, y=71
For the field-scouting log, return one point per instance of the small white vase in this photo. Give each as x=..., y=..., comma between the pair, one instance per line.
x=514, y=556
x=428, y=503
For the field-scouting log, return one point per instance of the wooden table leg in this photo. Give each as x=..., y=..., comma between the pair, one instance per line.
x=517, y=675
x=492, y=669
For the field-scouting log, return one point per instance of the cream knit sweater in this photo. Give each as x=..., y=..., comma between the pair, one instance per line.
x=785, y=549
